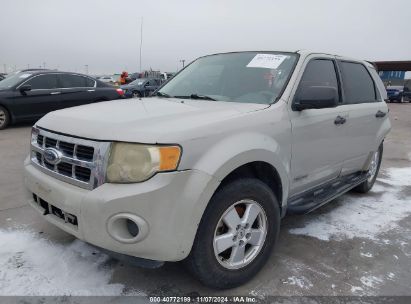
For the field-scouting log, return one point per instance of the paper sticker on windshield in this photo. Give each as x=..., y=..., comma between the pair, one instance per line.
x=268, y=61
x=25, y=75
x=140, y=83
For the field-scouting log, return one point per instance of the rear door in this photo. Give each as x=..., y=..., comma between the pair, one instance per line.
x=318, y=138
x=43, y=97
x=366, y=113
x=76, y=90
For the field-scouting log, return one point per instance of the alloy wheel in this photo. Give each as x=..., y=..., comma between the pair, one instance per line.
x=240, y=234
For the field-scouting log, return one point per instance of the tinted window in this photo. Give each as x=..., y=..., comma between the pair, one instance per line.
x=319, y=72
x=73, y=81
x=90, y=82
x=357, y=83
x=43, y=82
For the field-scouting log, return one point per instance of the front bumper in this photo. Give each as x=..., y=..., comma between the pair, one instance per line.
x=170, y=204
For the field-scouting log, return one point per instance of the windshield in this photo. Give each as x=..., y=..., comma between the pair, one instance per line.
x=13, y=80
x=248, y=77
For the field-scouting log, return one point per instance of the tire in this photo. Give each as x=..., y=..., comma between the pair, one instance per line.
x=240, y=196
x=136, y=94
x=367, y=184
x=4, y=118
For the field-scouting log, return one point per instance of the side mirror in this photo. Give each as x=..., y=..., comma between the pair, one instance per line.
x=25, y=88
x=316, y=97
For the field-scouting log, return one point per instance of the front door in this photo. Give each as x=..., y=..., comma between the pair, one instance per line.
x=43, y=97
x=318, y=136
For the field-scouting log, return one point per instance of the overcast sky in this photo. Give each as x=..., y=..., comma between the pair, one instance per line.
x=105, y=35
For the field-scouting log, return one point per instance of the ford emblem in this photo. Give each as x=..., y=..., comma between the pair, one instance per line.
x=52, y=156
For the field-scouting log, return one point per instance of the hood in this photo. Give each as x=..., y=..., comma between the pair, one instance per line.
x=151, y=120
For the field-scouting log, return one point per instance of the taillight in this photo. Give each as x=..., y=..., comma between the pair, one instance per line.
x=120, y=92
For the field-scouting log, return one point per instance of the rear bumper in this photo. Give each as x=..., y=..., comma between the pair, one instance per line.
x=167, y=208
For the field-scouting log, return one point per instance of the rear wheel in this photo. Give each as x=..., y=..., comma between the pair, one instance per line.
x=236, y=235
x=372, y=172
x=4, y=118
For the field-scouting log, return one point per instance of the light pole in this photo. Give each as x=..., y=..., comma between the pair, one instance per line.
x=86, y=68
x=141, y=40
x=183, y=60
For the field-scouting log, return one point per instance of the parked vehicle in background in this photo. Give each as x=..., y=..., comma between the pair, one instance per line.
x=107, y=79
x=398, y=93
x=28, y=95
x=2, y=76
x=205, y=170
x=141, y=87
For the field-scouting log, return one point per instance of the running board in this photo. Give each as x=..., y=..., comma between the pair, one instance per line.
x=314, y=198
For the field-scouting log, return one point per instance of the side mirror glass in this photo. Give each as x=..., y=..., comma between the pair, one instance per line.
x=25, y=88
x=316, y=97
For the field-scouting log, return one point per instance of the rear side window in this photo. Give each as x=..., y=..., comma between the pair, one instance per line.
x=43, y=82
x=74, y=81
x=90, y=82
x=357, y=83
x=319, y=72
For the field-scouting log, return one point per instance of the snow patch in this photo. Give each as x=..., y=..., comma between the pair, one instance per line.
x=33, y=266
x=301, y=282
x=355, y=289
x=364, y=216
x=366, y=254
x=370, y=281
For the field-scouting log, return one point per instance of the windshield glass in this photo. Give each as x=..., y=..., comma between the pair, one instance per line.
x=248, y=77
x=13, y=79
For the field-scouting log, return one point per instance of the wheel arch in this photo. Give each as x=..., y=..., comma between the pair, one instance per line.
x=262, y=171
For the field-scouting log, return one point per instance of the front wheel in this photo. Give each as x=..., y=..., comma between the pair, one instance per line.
x=136, y=94
x=372, y=172
x=236, y=235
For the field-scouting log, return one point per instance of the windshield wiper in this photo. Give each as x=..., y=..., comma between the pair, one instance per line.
x=161, y=94
x=196, y=96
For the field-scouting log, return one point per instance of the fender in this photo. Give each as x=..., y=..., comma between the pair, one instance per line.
x=230, y=153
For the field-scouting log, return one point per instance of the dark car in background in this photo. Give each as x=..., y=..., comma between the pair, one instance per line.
x=2, y=76
x=398, y=93
x=141, y=87
x=28, y=95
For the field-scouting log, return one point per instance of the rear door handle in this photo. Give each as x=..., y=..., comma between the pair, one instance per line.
x=380, y=114
x=91, y=90
x=55, y=93
x=339, y=120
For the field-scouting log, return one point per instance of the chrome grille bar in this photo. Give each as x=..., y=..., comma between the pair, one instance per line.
x=86, y=170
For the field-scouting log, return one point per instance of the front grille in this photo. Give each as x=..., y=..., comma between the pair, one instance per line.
x=80, y=161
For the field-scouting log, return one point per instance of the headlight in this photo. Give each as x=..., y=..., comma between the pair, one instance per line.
x=132, y=163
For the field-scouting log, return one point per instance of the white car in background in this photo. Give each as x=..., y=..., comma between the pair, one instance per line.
x=107, y=79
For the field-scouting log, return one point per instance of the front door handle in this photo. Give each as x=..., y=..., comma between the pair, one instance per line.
x=55, y=93
x=339, y=120
x=380, y=114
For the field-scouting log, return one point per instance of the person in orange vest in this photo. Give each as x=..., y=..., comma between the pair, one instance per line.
x=123, y=77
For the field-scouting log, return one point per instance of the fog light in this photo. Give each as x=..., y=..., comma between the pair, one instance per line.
x=127, y=228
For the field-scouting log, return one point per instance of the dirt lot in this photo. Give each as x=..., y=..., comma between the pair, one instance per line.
x=356, y=245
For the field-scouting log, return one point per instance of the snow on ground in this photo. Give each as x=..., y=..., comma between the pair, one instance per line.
x=364, y=216
x=30, y=265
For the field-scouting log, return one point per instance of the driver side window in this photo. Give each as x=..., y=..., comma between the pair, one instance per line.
x=319, y=73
